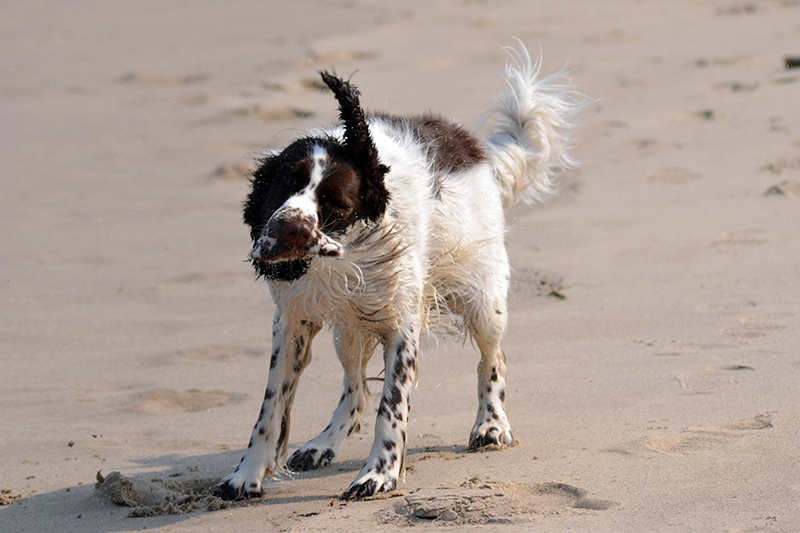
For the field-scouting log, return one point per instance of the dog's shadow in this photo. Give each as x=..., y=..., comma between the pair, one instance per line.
x=355, y=465
x=346, y=469
x=149, y=492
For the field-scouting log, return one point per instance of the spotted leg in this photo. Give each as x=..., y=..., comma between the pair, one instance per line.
x=491, y=429
x=386, y=458
x=354, y=352
x=291, y=352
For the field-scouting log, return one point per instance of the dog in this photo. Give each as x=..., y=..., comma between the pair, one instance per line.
x=374, y=227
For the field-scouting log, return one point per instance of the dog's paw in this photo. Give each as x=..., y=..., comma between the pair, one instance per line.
x=236, y=487
x=489, y=437
x=310, y=459
x=369, y=485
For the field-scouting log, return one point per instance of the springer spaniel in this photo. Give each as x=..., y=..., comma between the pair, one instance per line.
x=374, y=228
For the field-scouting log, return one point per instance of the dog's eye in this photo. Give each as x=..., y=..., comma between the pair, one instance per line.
x=290, y=179
x=336, y=203
x=343, y=207
x=292, y=175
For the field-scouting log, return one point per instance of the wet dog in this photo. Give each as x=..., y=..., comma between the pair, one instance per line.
x=368, y=227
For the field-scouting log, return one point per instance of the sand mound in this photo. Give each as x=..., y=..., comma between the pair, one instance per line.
x=479, y=502
x=158, y=496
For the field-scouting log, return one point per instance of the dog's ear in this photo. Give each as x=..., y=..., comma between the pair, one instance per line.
x=359, y=146
x=260, y=183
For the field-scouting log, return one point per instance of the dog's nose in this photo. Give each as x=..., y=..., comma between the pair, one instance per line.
x=296, y=234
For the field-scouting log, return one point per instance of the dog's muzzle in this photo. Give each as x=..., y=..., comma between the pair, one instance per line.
x=293, y=237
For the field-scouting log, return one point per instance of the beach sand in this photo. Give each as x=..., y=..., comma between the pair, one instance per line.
x=653, y=336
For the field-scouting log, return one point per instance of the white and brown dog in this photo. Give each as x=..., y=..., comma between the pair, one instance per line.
x=366, y=228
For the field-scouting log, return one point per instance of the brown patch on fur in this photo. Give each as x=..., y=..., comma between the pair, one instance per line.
x=340, y=198
x=451, y=147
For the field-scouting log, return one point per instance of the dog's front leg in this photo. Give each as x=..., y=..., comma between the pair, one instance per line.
x=291, y=353
x=385, y=461
x=354, y=349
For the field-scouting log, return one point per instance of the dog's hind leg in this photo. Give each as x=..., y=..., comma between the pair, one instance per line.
x=488, y=323
x=386, y=458
x=354, y=351
x=291, y=353
x=491, y=429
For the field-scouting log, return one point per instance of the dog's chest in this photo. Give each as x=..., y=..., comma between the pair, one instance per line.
x=339, y=292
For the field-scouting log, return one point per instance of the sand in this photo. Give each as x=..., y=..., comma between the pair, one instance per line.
x=653, y=337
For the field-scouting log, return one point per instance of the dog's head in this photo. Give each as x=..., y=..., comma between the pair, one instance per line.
x=305, y=198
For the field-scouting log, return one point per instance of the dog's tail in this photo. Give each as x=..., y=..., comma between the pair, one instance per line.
x=535, y=120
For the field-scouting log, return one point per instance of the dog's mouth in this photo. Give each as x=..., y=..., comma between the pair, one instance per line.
x=294, y=243
x=258, y=255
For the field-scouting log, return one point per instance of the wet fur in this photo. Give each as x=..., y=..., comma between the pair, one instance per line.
x=372, y=227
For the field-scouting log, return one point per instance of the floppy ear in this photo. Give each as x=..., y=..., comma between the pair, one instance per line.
x=359, y=146
x=260, y=183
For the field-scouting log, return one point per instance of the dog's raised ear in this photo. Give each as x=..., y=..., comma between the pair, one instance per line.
x=359, y=146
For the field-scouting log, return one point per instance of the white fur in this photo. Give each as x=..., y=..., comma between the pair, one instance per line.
x=305, y=202
x=535, y=123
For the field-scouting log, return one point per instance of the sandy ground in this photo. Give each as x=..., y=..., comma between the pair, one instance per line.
x=660, y=394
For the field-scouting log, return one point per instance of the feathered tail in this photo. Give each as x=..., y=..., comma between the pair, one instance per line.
x=531, y=141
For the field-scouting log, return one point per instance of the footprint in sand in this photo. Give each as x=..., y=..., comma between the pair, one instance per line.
x=232, y=172
x=688, y=118
x=277, y=114
x=145, y=78
x=736, y=239
x=643, y=143
x=206, y=280
x=788, y=188
x=673, y=175
x=176, y=285
x=750, y=328
x=168, y=401
x=337, y=57
x=749, y=87
x=209, y=354
x=711, y=380
x=613, y=38
x=478, y=502
x=723, y=62
x=695, y=440
x=736, y=86
x=536, y=283
x=747, y=7
x=785, y=158
x=265, y=112
x=699, y=439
